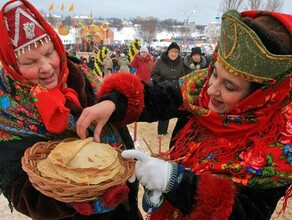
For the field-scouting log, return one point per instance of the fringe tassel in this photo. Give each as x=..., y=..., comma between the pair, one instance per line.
x=287, y=196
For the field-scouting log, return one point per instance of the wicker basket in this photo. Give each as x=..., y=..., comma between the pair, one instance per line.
x=66, y=191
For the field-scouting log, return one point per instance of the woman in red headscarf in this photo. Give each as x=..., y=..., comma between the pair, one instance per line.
x=42, y=93
x=230, y=157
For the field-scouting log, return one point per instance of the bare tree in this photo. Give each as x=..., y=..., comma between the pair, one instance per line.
x=230, y=4
x=148, y=29
x=253, y=4
x=273, y=5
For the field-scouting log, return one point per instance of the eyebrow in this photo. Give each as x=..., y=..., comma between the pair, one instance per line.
x=238, y=85
x=227, y=80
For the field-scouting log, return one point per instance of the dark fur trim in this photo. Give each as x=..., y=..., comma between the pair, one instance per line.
x=215, y=197
x=274, y=45
x=77, y=81
x=131, y=87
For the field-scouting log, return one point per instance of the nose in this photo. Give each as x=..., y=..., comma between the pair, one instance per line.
x=214, y=89
x=44, y=65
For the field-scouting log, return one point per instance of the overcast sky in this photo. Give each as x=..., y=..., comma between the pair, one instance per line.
x=205, y=10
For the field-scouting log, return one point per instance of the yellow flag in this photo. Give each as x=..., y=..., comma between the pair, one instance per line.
x=62, y=7
x=71, y=8
x=51, y=8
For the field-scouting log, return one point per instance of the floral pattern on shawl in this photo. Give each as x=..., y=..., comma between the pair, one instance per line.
x=251, y=144
x=20, y=118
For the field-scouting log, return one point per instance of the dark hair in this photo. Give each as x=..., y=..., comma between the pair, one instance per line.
x=253, y=86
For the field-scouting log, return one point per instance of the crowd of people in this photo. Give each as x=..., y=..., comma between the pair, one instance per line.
x=230, y=152
x=119, y=61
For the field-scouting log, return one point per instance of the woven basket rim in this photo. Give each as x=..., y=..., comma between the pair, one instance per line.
x=66, y=191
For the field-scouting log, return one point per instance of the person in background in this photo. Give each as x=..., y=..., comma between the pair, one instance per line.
x=143, y=63
x=91, y=60
x=231, y=153
x=116, y=62
x=42, y=93
x=107, y=65
x=195, y=60
x=168, y=67
x=84, y=64
x=124, y=63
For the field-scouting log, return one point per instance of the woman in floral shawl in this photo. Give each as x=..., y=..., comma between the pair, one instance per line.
x=230, y=157
x=42, y=93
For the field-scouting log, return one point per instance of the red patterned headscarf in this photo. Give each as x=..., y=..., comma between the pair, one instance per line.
x=254, y=136
x=22, y=26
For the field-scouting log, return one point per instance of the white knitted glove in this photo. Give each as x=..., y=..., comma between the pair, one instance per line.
x=157, y=176
x=154, y=174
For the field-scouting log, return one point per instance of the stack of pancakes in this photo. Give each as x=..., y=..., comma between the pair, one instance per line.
x=82, y=162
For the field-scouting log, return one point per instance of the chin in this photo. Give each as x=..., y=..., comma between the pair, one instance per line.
x=51, y=85
x=215, y=109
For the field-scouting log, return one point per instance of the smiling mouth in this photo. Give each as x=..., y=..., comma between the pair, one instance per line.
x=47, y=78
x=215, y=102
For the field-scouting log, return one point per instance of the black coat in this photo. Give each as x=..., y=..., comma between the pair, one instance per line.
x=166, y=69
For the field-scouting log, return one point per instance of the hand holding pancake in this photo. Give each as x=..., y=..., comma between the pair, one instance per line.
x=98, y=113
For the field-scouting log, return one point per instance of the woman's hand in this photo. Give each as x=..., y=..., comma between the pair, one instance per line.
x=156, y=175
x=153, y=173
x=98, y=113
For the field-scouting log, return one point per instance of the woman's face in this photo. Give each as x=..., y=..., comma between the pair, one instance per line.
x=196, y=58
x=225, y=90
x=173, y=54
x=143, y=54
x=40, y=65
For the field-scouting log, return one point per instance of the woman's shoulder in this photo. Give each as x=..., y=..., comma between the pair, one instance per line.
x=14, y=149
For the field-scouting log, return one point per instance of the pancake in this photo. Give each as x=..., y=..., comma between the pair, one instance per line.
x=83, y=162
x=91, y=176
x=83, y=154
x=47, y=169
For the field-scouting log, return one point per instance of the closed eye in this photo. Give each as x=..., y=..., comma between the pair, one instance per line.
x=50, y=52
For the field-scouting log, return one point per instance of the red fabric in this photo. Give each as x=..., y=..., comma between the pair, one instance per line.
x=7, y=55
x=16, y=19
x=214, y=198
x=268, y=102
x=57, y=111
x=144, y=66
x=115, y=195
x=51, y=107
x=166, y=212
x=131, y=87
x=226, y=135
x=84, y=208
